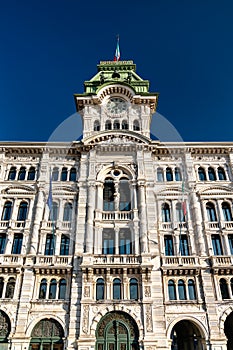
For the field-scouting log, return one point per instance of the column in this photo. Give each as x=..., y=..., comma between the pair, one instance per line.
x=36, y=224
x=197, y=222
x=117, y=230
x=143, y=219
x=90, y=217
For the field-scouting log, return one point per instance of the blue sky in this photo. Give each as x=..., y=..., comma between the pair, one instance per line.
x=184, y=47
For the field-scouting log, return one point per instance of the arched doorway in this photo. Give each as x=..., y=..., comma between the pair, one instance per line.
x=47, y=334
x=228, y=330
x=5, y=328
x=186, y=335
x=117, y=331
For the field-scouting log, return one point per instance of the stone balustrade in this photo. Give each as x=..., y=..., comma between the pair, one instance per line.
x=180, y=260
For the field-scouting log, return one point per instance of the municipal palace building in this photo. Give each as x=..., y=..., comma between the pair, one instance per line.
x=117, y=240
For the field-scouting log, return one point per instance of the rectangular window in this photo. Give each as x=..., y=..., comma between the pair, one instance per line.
x=217, y=245
x=17, y=244
x=50, y=245
x=108, y=247
x=125, y=246
x=2, y=243
x=65, y=243
x=230, y=240
x=184, y=249
x=168, y=243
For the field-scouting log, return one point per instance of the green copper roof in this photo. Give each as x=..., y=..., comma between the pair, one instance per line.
x=121, y=72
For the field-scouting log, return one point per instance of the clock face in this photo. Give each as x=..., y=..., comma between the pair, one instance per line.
x=116, y=105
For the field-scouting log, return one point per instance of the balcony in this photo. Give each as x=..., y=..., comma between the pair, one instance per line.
x=14, y=224
x=212, y=225
x=180, y=260
x=54, y=260
x=222, y=260
x=173, y=226
x=117, y=215
x=57, y=224
x=228, y=225
x=180, y=265
x=109, y=260
x=11, y=259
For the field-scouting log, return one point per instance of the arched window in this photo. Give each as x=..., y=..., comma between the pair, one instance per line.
x=169, y=175
x=125, y=246
x=96, y=125
x=217, y=244
x=226, y=211
x=160, y=176
x=166, y=213
x=55, y=174
x=211, y=174
x=65, y=244
x=1, y=286
x=10, y=288
x=136, y=126
x=191, y=290
x=108, y=125
x=23, y=210
x=125, y=125
x=171, y=290
x=100, y=289
x=7, y=209
x=168, y=244
x=67, y=214
x=73, y=174
x=181, y=290
x=201, y=174
x=64, y=173
x=50, y=244
x=178, y=174
x=224, y=289
x=43, y=289
x=17, y=243
x=133, y=289
x=31, y=173
x=53, y=289
x=211, y=213
x=117, y=288
x=221, y=174
x=108, y=195
x=12, y=173
x=62, y=289
x=2, y=242
x=22, y=173
x=180, y=212
x=125, y=198
x=184, y=249
x=116, y=125
x=108, y=241
x=53, y=212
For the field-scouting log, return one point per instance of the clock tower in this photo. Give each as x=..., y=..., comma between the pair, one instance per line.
x=116, y=101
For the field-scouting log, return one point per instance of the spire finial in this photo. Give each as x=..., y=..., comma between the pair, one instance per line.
x=117, y=52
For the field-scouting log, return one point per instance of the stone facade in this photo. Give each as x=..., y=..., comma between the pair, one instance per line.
x=136, y=250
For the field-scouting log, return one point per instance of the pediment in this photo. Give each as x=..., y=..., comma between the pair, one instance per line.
x=175, y=191
x=59, y=190
x=217, y=190
x=19, y=189
x=119, y=138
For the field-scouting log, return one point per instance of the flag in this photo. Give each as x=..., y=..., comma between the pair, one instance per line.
x=50, y=196
x=117, y=52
